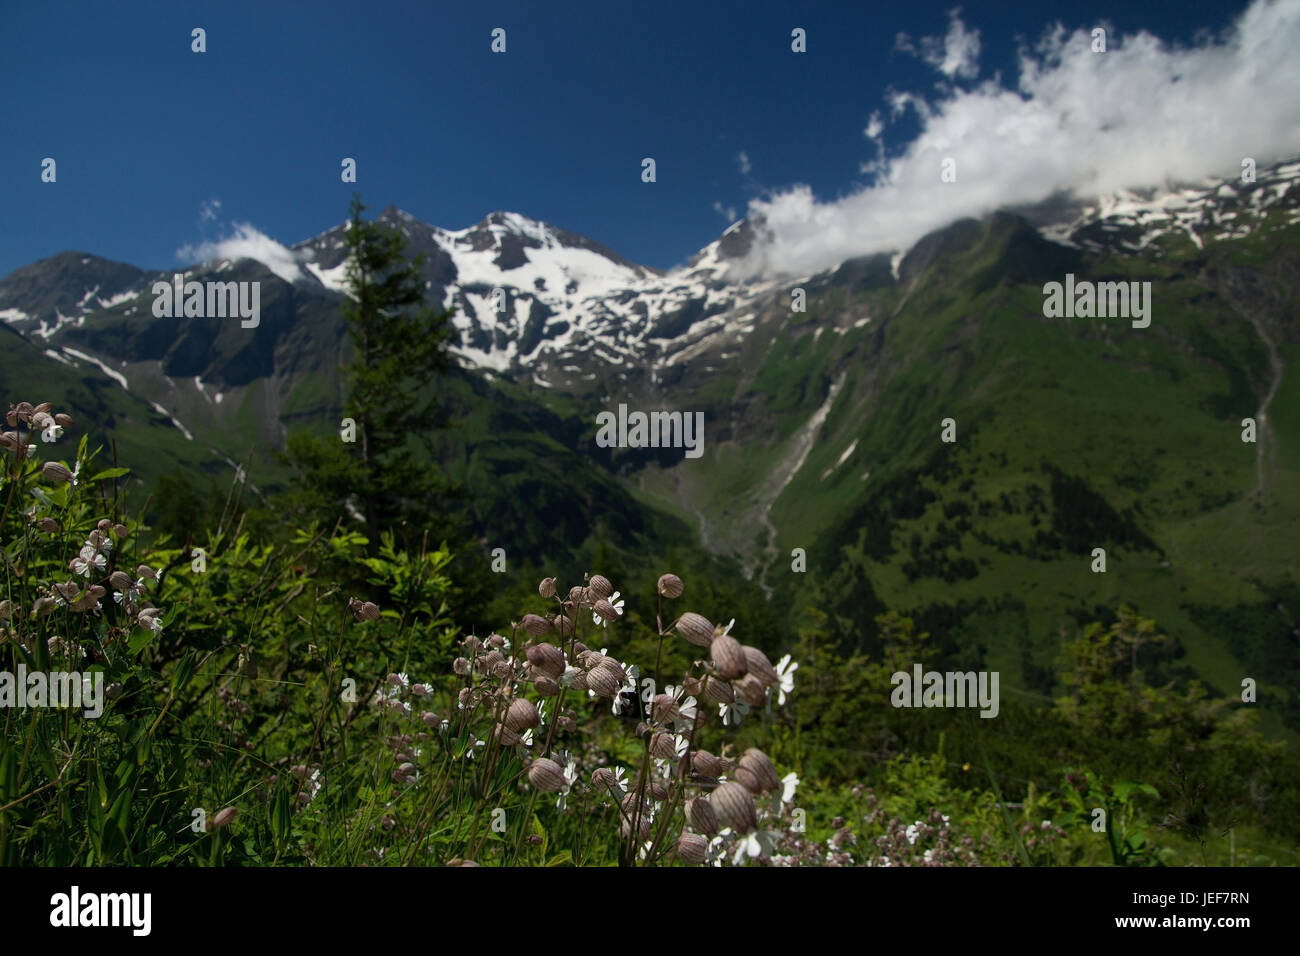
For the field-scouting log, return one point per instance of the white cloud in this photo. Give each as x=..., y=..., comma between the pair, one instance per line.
x=247, y=243
x=1142, y=114
x=875, y=126
x=726, y=212
x=742, y=160
x=958, y=53
x=209, y=209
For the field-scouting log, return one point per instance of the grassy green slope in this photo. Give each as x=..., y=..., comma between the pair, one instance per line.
x=1071, y=434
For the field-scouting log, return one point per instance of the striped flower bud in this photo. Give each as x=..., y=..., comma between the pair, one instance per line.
x=48, y=525
x=747, y=779
x=695, y=628
x=599, y=586
x=718, y=691
x=547, y=588
x=670, y=586
x=700, y=814
x=760, y=765
x=750, y=689
x=546, y=659
x=628, y=803
x=727, y=657
x=663, y=746
x=760, y=666
x=363, y=610
x=692, y=848
x=43, y=408
x=89, y=598
x=66, y=421
x=614, y=667
x=642, y=825
x=704, y=762
x=602, y=778
x=545, y=686
x=53, y=471
x=545, y=774
x=521, y=715
x=120, y=580
x=605, y=610
x=505, y=736
x=6, y=609
x=221, y=818
x=604, y=681
x=734, y=806
x=663, y=708
x=535, y=625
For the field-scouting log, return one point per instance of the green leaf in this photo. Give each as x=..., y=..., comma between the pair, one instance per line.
x=111, y=473
x=58, y=497
x=280, y=818
x=139, y=640
x=121, y=811
x=1124, y=788
x=8, y=774
x=184, y=671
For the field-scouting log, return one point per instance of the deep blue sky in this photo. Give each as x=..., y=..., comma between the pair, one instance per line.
x=144, y=131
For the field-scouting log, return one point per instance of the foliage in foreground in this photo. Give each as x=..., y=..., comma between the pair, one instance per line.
x=255, y=713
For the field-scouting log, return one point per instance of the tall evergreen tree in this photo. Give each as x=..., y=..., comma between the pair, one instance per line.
x=399, y=351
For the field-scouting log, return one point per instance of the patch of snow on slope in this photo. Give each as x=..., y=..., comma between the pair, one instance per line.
x=116, y=299
x=162, y=411
x=114, y=375
x=842, y=459
x=60, y=358
x=335, y=279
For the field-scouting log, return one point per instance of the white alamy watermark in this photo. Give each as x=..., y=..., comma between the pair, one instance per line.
x=652, y=430
x=947, y=689
x=208, y=300
x=75, y=908
x=1100, y=300
x=22, y=689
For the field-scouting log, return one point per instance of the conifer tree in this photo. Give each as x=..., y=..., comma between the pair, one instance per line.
x=399, y=352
